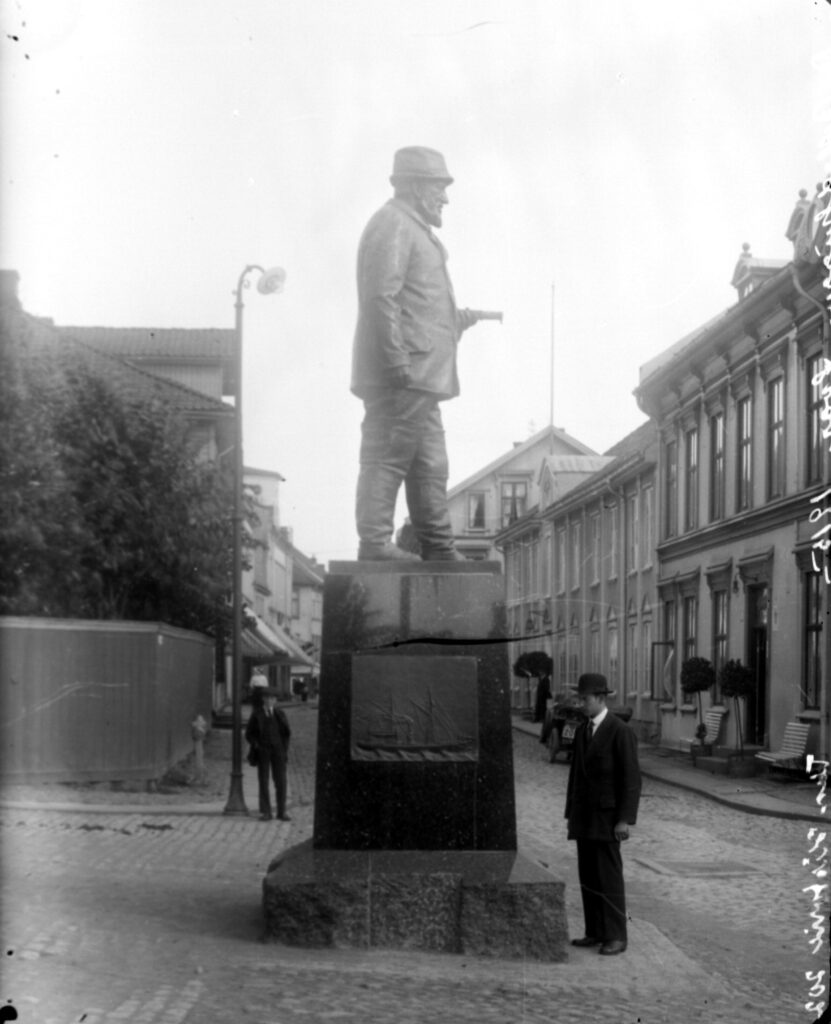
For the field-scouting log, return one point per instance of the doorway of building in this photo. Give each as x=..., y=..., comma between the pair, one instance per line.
x=757, y=658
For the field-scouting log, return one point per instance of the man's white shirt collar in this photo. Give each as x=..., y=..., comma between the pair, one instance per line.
x=598, y=718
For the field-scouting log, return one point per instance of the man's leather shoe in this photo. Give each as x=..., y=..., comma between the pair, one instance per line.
x=613, y=948
x=384, y=553
x=283, y=817
x=587, y=941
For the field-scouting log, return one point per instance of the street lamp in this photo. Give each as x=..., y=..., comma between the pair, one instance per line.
x=270, y=281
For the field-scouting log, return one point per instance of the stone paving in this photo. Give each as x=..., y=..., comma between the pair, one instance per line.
x=154, y=918
x=725, y=885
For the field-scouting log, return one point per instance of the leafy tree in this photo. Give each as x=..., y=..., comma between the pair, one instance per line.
x=40, y=524
x=105, y=512
x=533, y=663
x=539, y=665
x=736, y=680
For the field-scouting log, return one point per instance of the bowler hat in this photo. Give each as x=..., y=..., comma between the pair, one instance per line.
x=592, y=682
x=419, y=162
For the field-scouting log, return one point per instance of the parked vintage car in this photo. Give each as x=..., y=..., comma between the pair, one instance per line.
x=563, y=716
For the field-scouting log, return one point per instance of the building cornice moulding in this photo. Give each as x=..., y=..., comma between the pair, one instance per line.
x=784, y=512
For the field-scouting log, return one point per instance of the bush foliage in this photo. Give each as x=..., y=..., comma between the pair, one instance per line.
x=533, y=663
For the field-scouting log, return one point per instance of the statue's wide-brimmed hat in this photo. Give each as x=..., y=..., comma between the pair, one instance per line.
x=419, y=162
x=592, y=682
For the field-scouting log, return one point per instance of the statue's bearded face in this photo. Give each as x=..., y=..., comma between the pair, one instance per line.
x=430, y=198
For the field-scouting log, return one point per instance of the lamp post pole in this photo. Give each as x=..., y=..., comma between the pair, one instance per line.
x=270, y=281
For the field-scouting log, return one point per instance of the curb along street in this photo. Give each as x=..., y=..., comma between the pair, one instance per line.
x=778, y=798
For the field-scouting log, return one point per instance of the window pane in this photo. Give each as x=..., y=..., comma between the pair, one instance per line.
x=666, y=671
x=595, y=548
x=776, y=439
x=513, y=501
x=717, y=467
x=476, y=511
x=646, y=517
x=613, y=553
x=719, y=655
x=814, y=591
x=576, y=554
x=745, y=454
x=813, y=459
x=690, y=627
x=692, y=480
x=632, y=533
x=561, y=561
x=671, y=484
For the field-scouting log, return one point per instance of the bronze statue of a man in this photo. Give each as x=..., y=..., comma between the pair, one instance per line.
x=404, y=361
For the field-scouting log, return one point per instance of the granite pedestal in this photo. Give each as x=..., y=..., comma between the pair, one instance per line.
x=415, y=828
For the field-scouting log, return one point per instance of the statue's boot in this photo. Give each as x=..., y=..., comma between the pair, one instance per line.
x=375, y=514
x=388, y=552
x=427, y=502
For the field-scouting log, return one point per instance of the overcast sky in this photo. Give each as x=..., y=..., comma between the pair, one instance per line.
x=621, y=152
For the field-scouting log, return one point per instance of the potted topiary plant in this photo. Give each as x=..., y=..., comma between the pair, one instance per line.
x=736, y=680
x=698, y=675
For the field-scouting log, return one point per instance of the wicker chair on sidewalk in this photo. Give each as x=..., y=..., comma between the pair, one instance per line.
x=791, y=756
x=712, y=722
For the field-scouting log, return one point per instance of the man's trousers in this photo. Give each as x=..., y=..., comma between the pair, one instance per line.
x=600, y=867
x=272, y=763
x=402, y=439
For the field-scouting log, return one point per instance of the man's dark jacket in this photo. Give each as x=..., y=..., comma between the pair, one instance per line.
x=407, y=314
x=604, y=783
x=267, y=735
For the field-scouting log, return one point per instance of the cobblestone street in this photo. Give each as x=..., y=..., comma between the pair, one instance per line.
x=151, y=916
x=724, y=886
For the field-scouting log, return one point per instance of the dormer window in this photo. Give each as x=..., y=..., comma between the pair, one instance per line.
x=751, y=272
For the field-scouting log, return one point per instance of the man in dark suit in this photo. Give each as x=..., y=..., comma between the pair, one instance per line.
x=604, y=786
x=268, y=732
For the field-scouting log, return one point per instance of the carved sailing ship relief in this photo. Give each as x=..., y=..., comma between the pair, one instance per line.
x=409, y=709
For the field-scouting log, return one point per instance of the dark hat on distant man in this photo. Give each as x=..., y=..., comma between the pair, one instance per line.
x=419, y=162
x=592, y=682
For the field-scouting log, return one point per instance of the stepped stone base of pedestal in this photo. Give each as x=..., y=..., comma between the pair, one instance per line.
x=483, y=903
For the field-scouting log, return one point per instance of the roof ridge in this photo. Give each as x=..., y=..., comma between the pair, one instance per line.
x=519, y=447
x=164, y=383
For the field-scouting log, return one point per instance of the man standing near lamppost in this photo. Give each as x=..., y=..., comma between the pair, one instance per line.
x=604, y=787
x=404, y=361
x=268, y=732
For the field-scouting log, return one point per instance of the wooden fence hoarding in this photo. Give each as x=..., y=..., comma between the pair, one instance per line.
x=88, y=700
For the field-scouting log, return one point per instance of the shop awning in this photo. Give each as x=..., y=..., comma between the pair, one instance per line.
x=255, y=646
x=270, y=644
